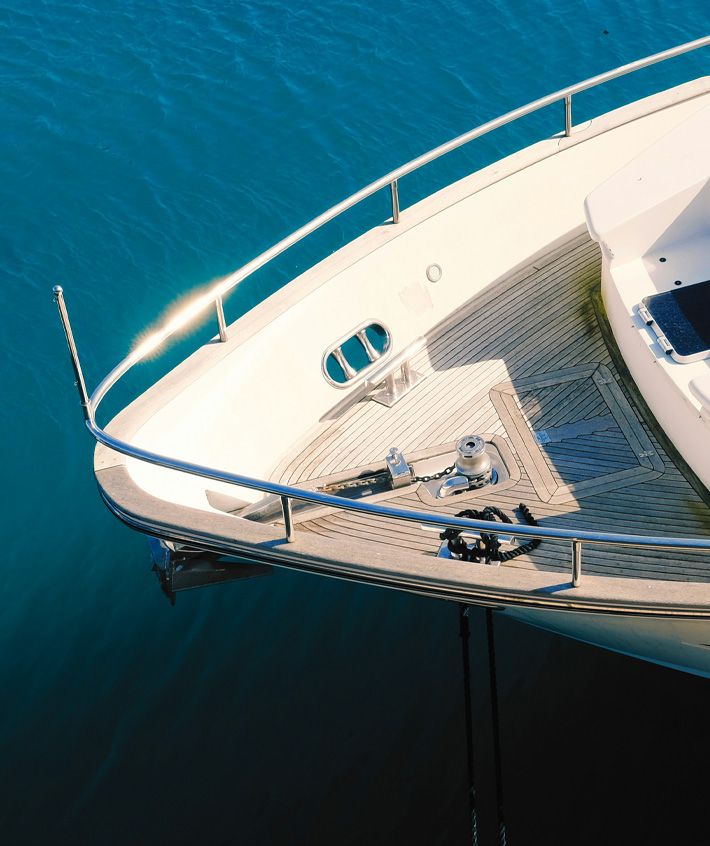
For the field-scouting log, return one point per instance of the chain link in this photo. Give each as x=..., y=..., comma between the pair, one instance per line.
x=382, y=478
x=434, y=476
x=355, y=483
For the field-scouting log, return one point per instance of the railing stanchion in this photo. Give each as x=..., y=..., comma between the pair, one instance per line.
x=288, y=518
x=286, y=494
x=395, y=201
x=576, y=562
x=221, y=322
x=391, y=179
x=58, y=292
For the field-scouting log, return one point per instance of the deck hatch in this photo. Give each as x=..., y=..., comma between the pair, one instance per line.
x=575, y=433
x=682, y=316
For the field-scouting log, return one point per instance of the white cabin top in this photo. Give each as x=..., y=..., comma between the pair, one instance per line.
x=659, y=199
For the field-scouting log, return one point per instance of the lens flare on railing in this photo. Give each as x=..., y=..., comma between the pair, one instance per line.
x=178, y=317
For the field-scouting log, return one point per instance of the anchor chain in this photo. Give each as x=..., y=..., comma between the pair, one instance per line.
x=366, y=481
x=434, y=476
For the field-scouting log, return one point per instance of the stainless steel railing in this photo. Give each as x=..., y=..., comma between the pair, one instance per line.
x=214, y=298
x=287, y=493
x=391, y=181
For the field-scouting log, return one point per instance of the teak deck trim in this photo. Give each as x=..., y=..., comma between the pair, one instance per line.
x=534, y=331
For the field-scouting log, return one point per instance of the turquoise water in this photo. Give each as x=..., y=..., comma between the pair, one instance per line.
x=146, y=149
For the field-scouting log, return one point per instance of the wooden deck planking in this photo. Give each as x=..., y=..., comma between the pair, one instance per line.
x=530, y=331
x=362, y=432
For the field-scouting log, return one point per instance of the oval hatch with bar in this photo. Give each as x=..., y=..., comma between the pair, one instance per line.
x=356, y=354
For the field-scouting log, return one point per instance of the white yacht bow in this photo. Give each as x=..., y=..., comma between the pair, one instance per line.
x=453, y=367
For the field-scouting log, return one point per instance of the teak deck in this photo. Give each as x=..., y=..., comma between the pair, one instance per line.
x=527, y=362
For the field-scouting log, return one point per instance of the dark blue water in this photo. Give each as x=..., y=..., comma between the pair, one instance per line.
x=145, y=149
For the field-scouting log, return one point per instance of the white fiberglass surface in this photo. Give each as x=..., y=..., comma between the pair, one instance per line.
x=269, y=393
x=658, y=198
x=681, y=644
x=652, y=219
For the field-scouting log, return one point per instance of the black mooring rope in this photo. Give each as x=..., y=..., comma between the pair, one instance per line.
x=488, y=547
x=464, y=634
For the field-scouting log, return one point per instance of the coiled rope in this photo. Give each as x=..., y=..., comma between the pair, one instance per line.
x=488, y=547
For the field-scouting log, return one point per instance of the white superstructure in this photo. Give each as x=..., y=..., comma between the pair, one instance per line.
x=652, y=220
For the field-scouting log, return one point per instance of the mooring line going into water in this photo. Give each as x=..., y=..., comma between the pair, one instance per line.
x=483, y=751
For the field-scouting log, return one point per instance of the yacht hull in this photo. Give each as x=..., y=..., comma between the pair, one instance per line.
x=679, y=644
x=493, y=328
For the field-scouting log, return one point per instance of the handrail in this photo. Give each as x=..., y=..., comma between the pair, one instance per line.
x=410, y=515
x=216, y=294
x=218, y=291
